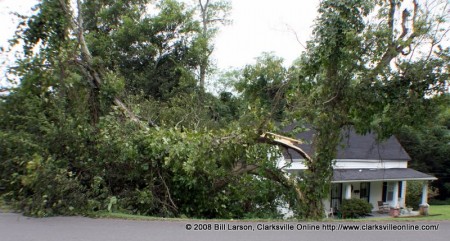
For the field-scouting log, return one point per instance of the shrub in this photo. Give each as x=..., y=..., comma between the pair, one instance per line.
x=354, y=208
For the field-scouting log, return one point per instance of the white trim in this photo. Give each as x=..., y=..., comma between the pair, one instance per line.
x=387, y=180
x=349, y=160
x=299, y=164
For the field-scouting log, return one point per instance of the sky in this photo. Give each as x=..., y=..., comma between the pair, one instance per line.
x=265, y=26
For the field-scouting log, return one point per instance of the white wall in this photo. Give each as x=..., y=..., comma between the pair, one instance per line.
x=376, y=194
x=377, y=164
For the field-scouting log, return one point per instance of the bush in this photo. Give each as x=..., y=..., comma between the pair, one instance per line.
x=439, y=202
x=355, y=208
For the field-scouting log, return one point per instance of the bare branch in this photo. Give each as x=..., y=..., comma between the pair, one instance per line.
x=405, y=15
x=391, y=17
x=395, y=47
x=174, y=206
x=296, y=35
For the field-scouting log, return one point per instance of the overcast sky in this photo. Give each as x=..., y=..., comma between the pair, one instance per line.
x=258, y=26
x=265, y=26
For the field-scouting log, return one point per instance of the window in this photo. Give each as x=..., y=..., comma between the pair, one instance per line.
x=390, y=192
x=364, y=191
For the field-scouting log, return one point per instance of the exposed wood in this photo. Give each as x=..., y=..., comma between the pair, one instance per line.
x=285, y=142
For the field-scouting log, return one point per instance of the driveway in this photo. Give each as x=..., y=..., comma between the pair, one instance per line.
x=15, y=227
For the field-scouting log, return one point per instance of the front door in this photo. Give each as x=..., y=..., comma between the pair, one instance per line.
x=336, y=195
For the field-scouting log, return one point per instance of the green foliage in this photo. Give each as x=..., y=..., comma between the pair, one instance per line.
x=47, y=28
x=438, y=202
x=263, y=86
x=429, y=146
x=152, y=52
x=46, y=189
x=355, y=208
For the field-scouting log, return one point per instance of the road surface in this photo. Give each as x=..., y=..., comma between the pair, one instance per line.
x=15, y=227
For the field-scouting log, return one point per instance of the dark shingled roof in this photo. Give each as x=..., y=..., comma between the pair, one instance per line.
x=354, y=146
x=392, y=174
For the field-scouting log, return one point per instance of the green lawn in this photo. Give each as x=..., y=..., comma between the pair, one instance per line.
x=436, y=213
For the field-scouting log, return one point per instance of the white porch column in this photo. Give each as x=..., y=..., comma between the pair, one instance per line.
x=403, y=195
x=425, y=193
x=348, y=191
x=395, y=193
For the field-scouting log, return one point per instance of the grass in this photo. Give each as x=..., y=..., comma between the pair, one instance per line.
x=4, y=207
x=127, y=216
x=436, y=213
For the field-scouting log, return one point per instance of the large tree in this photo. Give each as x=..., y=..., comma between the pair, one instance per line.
x=212, y=13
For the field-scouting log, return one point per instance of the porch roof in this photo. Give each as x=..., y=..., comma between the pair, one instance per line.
x=370, y=175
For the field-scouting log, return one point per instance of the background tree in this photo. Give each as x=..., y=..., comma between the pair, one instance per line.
x=264, y=85
x=429, y=145
x=212, y=13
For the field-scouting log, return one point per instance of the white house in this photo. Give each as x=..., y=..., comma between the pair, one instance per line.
x=364, y=168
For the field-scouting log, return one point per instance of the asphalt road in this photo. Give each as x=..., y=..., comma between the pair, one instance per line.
x=15, y=227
